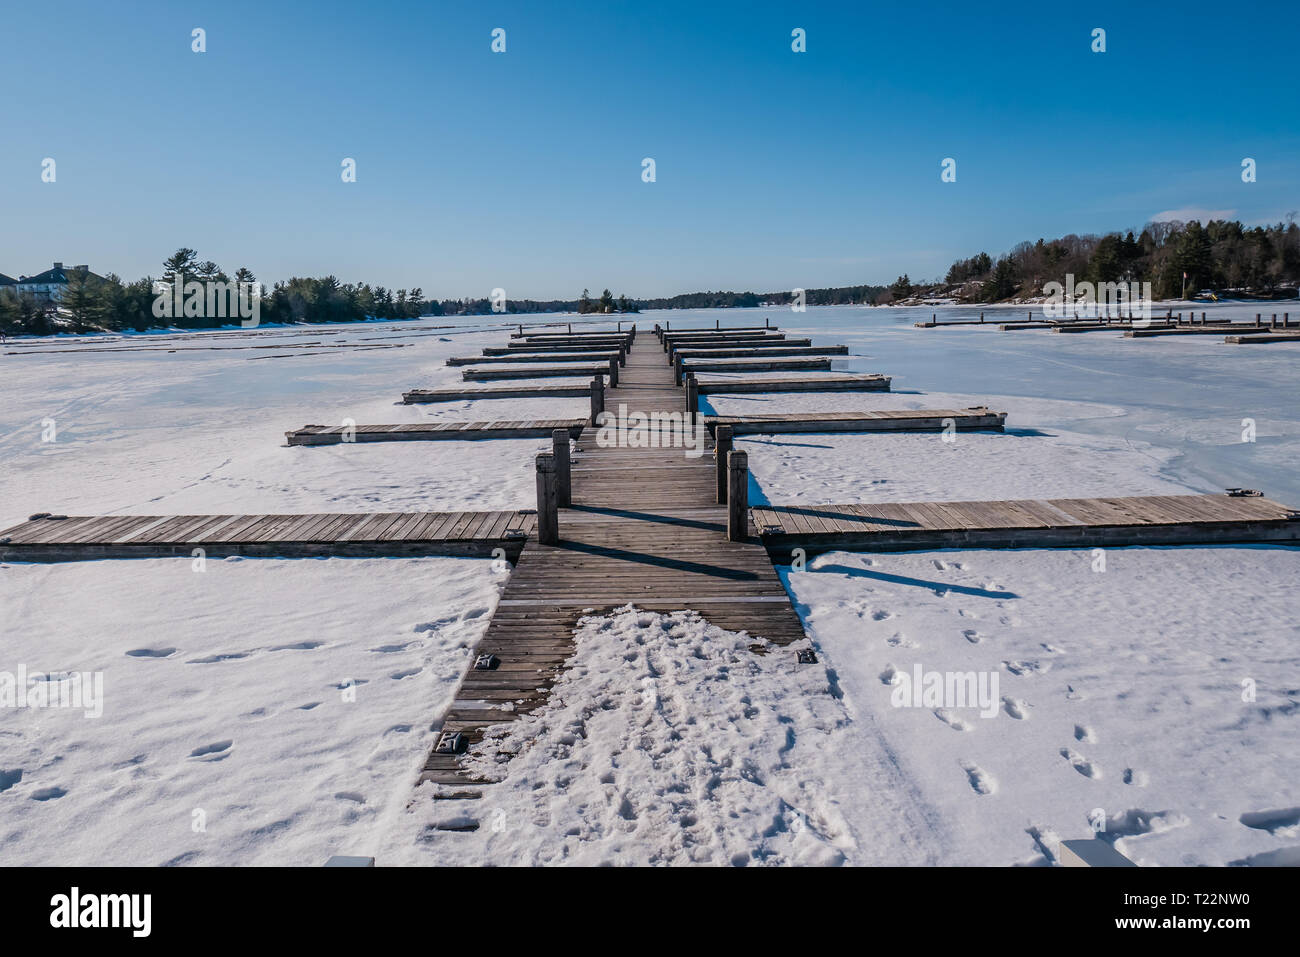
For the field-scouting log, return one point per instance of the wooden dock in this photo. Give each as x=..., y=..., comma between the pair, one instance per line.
x=514, y=357
x=1239, y=328
x=1051, y=523
x=672, y=346
x=875, y=420
x=753, y=365
x=830, y=382
x=337, y=534
x=432, y=431
x=644, y=527
x=757, y=352
x=1263, y=339
x=517, y=347
x=535, y=372
x=470, y=393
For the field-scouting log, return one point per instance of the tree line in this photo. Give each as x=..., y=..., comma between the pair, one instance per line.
x=1223, y=256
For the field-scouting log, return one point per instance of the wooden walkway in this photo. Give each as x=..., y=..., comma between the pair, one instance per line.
x=691, y=353
x=877, y=420
x=1263, y=339
x=1064, y=523
x=470, y=392
x=643, y=528
x=354, y=535
x=543, y=372
x=713, y=344
x=432, y=431
x=521, y=356
x=828, y=382
x=753, y=365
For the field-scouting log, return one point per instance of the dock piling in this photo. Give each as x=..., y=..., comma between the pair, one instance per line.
x=597, y=399
x=737, y=496
x=548, y=515
x=721, y=449
x=692, y=399
x=613, y=372
x=563, y=473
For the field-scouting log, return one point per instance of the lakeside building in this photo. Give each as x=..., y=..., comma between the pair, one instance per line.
x=48, y=286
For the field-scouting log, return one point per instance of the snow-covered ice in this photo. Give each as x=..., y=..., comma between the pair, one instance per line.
x=1160, y=693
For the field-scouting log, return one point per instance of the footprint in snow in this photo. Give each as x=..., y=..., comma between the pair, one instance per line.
x=973, y=636
x=1084, y=733
x=407, y=673
x=48, y=794
x=213, y=659
x=1135, y=777
x=1273, y=821
x=151, y=652
x=1022, y=668
x=951, y=720
x=299, y=646
x=1016, y=708
x=217, y=751
x=981, y=781
x=1081, y=764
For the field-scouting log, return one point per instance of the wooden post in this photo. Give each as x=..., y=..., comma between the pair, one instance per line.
x=570, y=328
x=1258, y=317
x=563, y=475
x=613, y=372
x=721, y=449
x=981, y=317
x=1272, y=323
x=692, y=400
x=620, y=325
x=737, y=496
x=677, y=369
x=548, y=516
x=717, y=323
x=1286, y=320
x=597, y=398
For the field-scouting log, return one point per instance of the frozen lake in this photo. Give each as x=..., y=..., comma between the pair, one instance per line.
x=227, y=691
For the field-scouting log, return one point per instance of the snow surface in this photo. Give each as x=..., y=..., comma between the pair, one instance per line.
x=668, y=740
x=226, y=693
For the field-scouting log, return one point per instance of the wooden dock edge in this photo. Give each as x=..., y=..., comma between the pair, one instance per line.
x=37, y=553
x=368, y=434
x=781, y=545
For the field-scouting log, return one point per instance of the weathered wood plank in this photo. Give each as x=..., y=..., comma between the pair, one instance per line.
x=1068, y=523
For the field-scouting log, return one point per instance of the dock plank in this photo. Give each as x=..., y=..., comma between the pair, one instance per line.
x=1067, y=523
x=82, y=538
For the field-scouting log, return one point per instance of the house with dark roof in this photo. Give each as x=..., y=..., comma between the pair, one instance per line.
x=50, y=285
x=7, y=281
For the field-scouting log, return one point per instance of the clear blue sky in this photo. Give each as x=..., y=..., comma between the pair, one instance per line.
x=523, y=170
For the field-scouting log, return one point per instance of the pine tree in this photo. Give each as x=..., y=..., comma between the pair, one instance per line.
x=83, y=301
